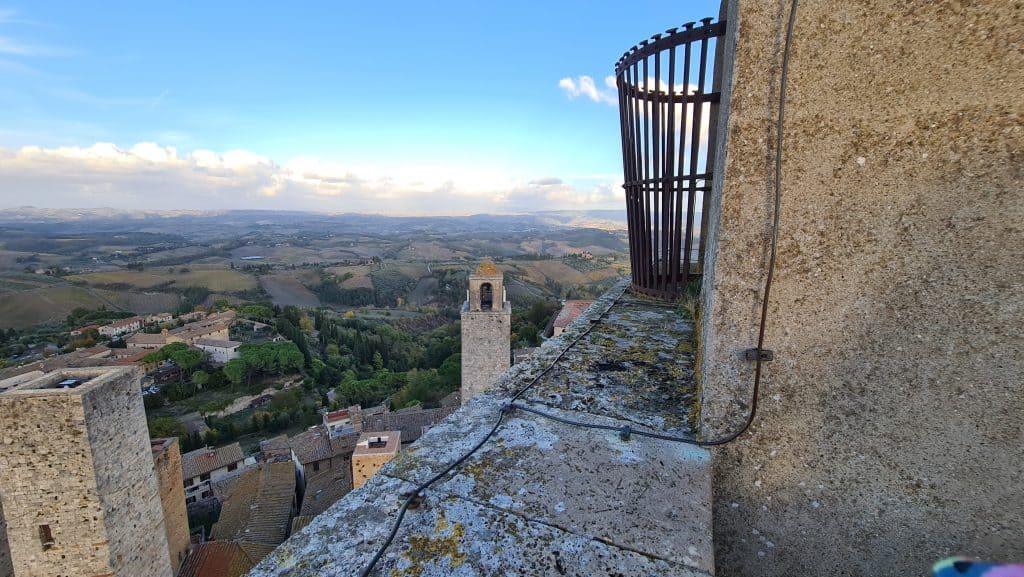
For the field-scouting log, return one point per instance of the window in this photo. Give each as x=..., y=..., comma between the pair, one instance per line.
x=46, y=537
x=316, y=467
x=206, y=495
x=232, y=467
x=204, y=477
x=486, y=296
x=190, y=500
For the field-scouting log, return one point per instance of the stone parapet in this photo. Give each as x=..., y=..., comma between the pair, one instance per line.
x=543, y=497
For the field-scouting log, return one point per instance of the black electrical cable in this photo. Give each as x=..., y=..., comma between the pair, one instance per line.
x=512, y=405
x=501, y=415
x=775, y=233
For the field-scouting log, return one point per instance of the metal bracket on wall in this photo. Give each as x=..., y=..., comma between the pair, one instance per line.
x=759, y=355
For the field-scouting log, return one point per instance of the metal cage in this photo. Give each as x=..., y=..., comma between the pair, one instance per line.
x=669, y=96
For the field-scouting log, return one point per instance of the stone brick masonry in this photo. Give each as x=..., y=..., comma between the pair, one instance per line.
x=77, y=481
x=167, y=459
x=485, y=348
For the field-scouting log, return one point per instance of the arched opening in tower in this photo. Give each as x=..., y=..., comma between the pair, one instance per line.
x=486, y=297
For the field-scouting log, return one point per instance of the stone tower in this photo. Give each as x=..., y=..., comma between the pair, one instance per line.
x=486, y=330
x=167, y=460
x=78, y=487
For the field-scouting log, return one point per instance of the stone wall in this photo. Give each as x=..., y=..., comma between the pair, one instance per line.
x=486, y=348
x=126, y=477
x=79, y=462
x=6, y=569
x=366, y=466
x=889, y=433
x=172, y=500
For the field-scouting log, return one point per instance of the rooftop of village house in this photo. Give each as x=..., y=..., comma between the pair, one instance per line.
x=539, y=491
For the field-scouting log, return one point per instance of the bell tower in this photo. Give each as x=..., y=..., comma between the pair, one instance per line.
x=486, y=330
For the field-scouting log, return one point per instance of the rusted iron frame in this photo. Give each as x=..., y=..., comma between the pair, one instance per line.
x=655, y=181
x=673, y=38
x=698, y=110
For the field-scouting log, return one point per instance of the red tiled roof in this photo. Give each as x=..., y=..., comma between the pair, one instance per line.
x=126, y=322
x=205, y=460
x=571, y=310
x=258, y=506
x=411, y=423
x=324, y=489
x=339, y=414
x=223, y=559
x=312, y=445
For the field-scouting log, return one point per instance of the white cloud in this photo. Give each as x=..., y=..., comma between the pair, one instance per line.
x=585, y=86
x=149, y=175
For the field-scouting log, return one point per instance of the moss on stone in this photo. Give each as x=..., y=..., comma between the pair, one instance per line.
x=424, y=549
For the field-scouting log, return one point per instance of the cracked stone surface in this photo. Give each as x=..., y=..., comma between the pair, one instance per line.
x=542, y=497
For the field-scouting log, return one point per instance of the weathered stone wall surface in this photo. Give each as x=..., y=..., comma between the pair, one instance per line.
x=6, y=570
x=46, y=479
x=486, y=348
x=79, y=461
x=366, y=466
x=126, y=477
x=890, y=429
x=172, y=500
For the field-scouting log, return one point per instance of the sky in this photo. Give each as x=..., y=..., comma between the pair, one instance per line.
x=376, y=107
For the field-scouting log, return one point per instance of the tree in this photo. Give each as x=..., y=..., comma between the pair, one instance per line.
x=153, y=401
x=165, y=427
x=378, y=361
x=235, y=371
x=200, y=378
x=187, y=359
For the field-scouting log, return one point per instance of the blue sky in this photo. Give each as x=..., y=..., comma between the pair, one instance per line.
x=409, y=108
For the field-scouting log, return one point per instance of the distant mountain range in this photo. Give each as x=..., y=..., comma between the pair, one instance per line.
x=28, y=215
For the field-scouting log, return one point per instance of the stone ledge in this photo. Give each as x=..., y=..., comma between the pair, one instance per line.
x=542, y=497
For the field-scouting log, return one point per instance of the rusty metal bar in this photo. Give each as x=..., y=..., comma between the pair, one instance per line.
x=662, y=152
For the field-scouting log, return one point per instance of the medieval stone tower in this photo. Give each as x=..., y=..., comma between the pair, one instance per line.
x=486, y=330
x=78, y=490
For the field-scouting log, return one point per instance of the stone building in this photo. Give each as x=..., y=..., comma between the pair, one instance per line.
x=372, y=452
x=203, y=467
x=122, y=326
x=167, y=460
x=887, y=433
x=486, y=330
x=220, y=351
x=78, y=486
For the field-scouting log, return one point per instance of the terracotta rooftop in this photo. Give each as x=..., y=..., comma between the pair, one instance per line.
x=571, y=310
x=278, y=443
x=147, y=339
x=323, y=489
x=125, y=322
x=393, y=440
x=301, y=521
x=339, y=414
x=158, y=446
x=411, y=422
x=258, y=506
x=312, y=445
x=205, y=460
x=223, y=559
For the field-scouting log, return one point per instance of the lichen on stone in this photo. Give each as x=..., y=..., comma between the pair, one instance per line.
x=430, y=549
